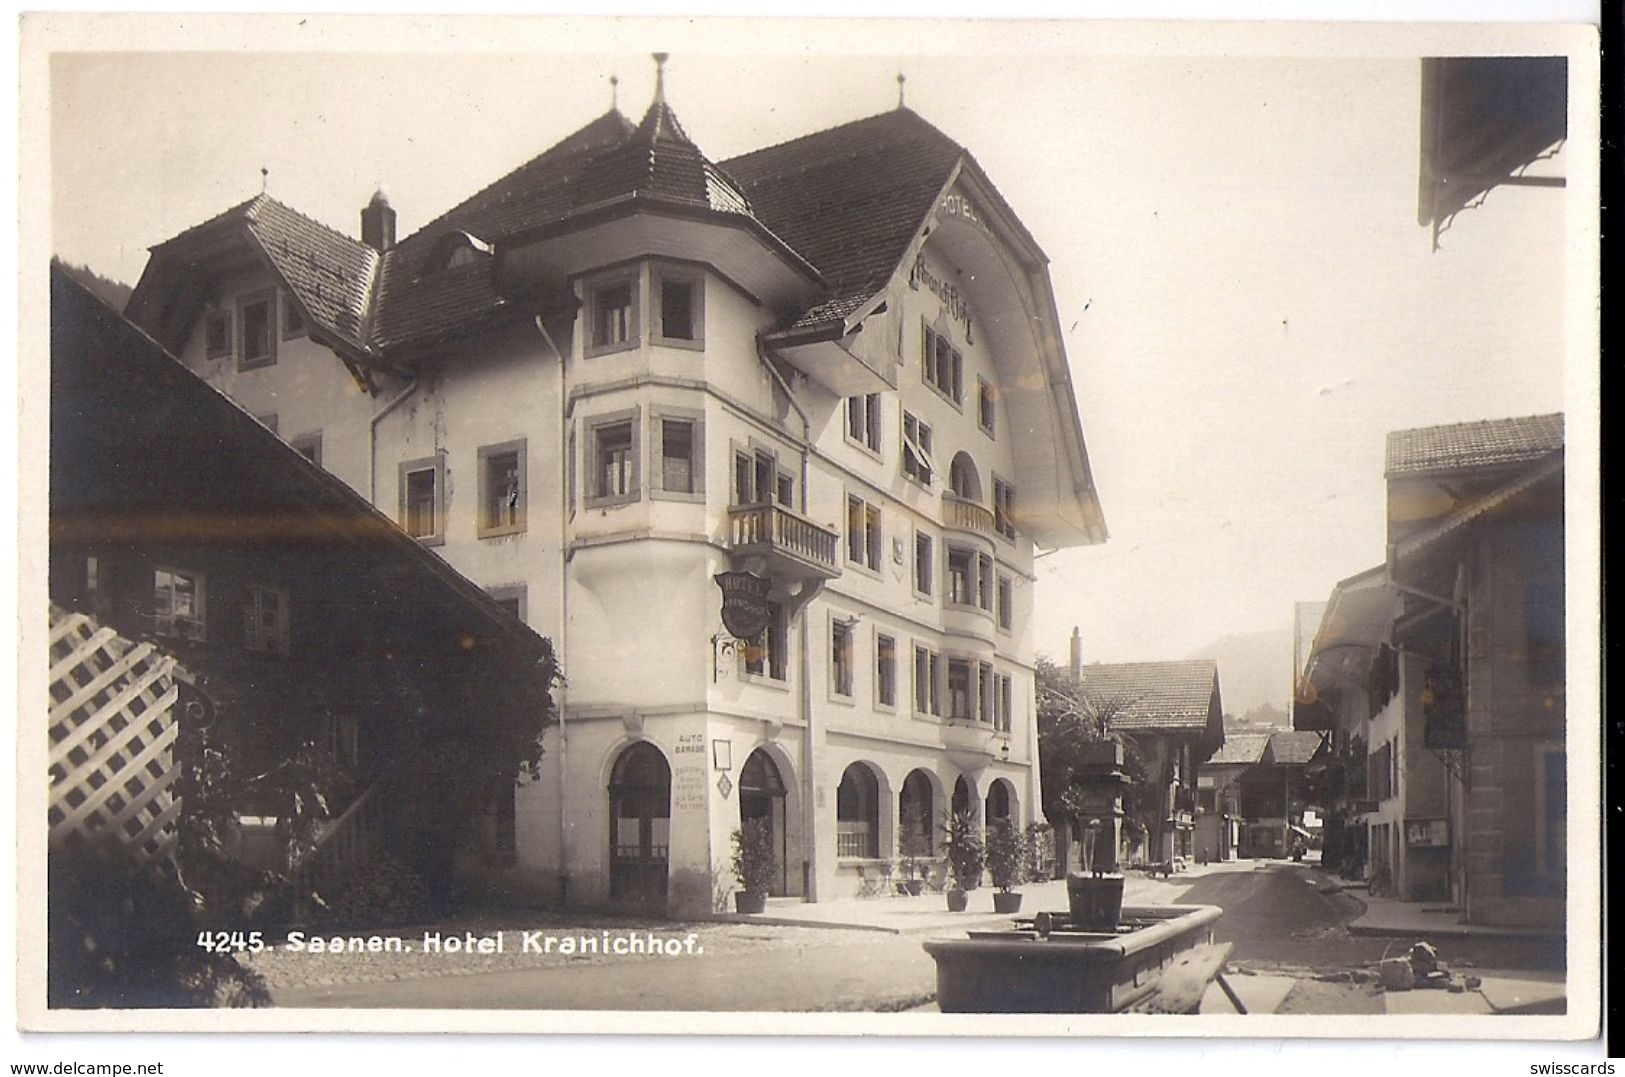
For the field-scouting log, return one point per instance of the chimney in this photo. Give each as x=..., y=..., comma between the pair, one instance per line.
x=378, y=223
x=1077, y=656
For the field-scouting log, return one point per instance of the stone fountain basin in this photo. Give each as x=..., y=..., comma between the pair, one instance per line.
x=1019, y=971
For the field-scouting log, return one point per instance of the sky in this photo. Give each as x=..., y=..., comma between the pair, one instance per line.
x=1248, y=302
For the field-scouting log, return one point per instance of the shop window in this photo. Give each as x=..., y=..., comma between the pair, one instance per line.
x=681, y=439
x=178, y=604
x=613, y=459
x=885, y=670
x=423, y=513
x=924, y=563
x=863, y=538
x=256, y=338
x=681, y=309
x=502, y=489
x=863, y=421
x=1007, y=602
x=265, y=625
x=984, y=406
x=293, y=319
x=612, y=321
x=917, y=462
x=217, y=333
x=840, y=658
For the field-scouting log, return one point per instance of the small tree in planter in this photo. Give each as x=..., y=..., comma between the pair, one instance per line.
x=753, y=864
x=963, y=839
x=1006, y=857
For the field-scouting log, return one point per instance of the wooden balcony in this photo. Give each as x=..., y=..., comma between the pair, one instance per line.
x=962, y=514
x=792, y=546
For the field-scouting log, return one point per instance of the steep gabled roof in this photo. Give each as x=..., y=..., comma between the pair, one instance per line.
x=1154, y=697
x=1242, y=749
x=1472, y=445
x=1292, y=748
x=850, y=199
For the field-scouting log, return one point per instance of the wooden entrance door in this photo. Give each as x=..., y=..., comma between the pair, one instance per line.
x=640, y=825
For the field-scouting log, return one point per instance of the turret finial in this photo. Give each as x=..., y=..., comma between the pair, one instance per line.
x=614, y=93
x=660, y=76
x=900, y=81
x=265, y=179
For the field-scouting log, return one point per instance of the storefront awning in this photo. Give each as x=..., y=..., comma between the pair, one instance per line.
x=1357, y=620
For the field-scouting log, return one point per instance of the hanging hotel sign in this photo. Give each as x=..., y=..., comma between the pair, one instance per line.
x=954, y=304
x=1444, y=712
x=745, y=611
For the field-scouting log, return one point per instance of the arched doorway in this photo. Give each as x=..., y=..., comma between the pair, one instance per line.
x=640, y=825
x=761, y=796
x=857, y=814
x=916, y=822
x=999, y=804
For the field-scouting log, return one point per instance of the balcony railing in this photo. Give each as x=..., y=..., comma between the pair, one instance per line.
x=794, y=545
x=965, y=515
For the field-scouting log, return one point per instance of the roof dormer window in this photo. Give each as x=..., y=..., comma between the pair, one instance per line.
x=457, y=249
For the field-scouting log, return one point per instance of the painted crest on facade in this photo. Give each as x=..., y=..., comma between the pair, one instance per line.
x=744, y=603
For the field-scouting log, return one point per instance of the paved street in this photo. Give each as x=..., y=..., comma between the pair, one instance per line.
x=1277, y=920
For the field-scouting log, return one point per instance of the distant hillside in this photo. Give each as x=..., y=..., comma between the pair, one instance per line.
x=113, y=293
x=1255, y=669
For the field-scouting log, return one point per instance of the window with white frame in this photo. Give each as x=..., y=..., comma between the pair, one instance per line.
x=680, y=440
x=917, y=461
x=840, y=658
x=863, y=421
x=1007, y=602
x=178, y=604
x=1004, y=503
x=885, y=670
x=679, y=307
x=961, y=577
x=863, y=538
x=961, y=688
x=984, y=406
x=512, y=599
x=1004, y=715
x=984, y=582
x=927, y=681
x=612, y=318
x=758, y=478
x=422, y=494
x=612, y=459
x=943, y=366
x=502, y=489
x=986, y=694
x=924, y=563
x=265, y=620
x=256, y=336
x=768, y=655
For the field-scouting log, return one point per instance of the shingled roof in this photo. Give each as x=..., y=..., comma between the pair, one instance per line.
x=1154, y=696
x=1243, y=749
x=850, y=199
x=1292, y=748
x=1471, y=445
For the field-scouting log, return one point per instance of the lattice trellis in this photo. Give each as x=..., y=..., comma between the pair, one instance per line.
x=112, y=729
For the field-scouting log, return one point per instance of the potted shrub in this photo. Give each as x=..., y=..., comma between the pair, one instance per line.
x=753, y=865
x=962, y=839
x=1006, y=856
